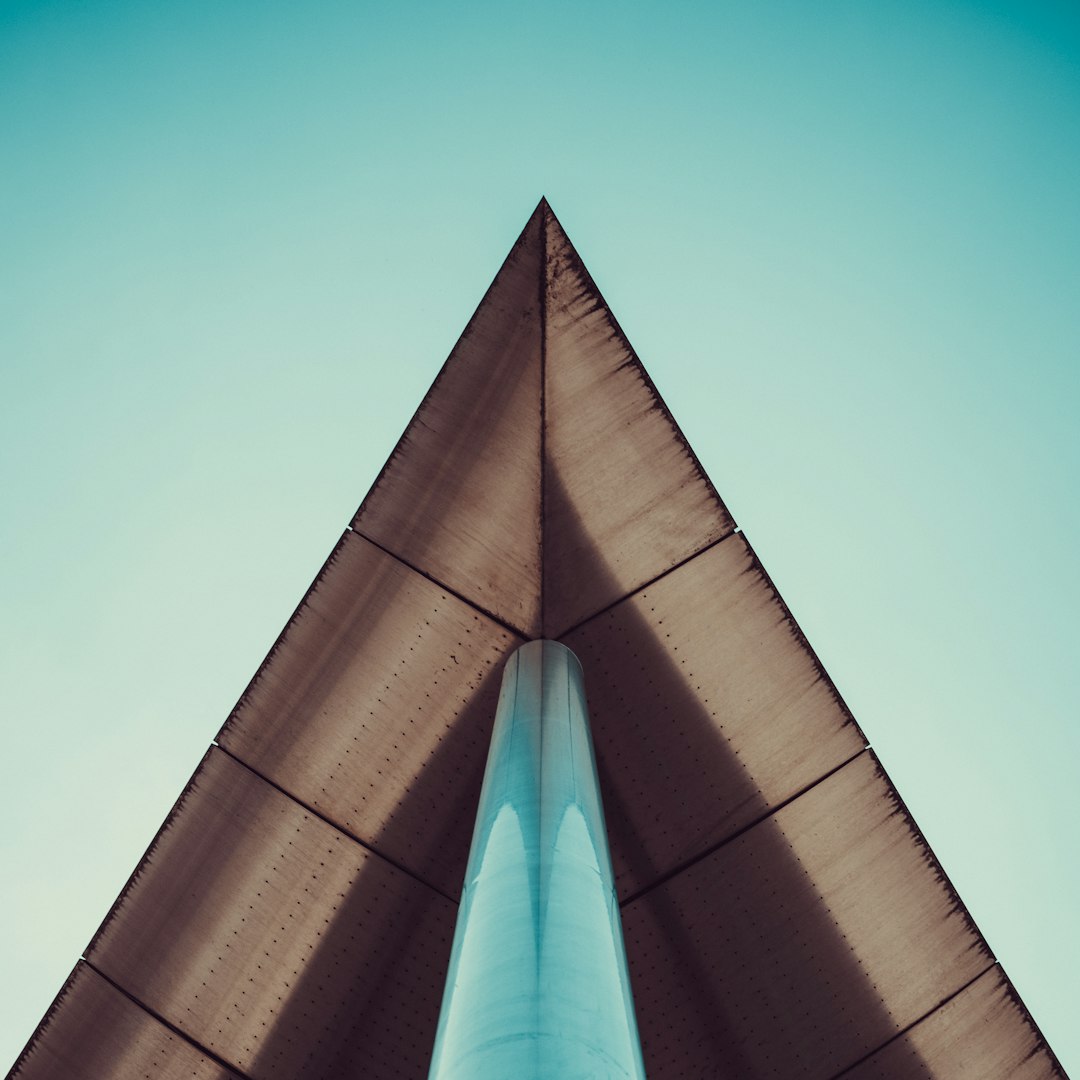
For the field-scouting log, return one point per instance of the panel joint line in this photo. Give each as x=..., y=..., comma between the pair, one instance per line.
x=648, y=584
x=334, y=825
x=664, y=878
x=517, y=632
x=914, y=1023
x=180, y=1033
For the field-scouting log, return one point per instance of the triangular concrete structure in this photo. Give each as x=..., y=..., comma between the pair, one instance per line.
x=783, y=917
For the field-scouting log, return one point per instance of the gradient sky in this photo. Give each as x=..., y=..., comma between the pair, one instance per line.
x=238, y=239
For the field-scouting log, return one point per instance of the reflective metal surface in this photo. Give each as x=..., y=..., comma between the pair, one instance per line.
x=538, y=985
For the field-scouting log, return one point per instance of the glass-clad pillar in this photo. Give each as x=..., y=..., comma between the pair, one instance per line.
x=537, y=987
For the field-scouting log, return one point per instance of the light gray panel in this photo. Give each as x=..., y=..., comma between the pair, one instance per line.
x=801, y=945
x=460, y=496
x=275, y=941
x=708, y=710
x=94, y=1031
x=375, y=708
x=624, y=497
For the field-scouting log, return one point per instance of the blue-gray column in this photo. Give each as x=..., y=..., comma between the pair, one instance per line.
x=538, y=987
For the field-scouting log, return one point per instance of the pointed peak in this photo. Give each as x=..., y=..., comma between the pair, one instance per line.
x=541, y=213
x=545, y=216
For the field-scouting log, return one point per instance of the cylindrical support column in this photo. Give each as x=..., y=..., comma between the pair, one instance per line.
x=538, y=987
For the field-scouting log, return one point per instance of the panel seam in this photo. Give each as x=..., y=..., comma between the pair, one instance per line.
x=334, y=825
x=914, y=1023
x=516, y=631
x=650, y=583
x=193, y=1042
x=664, y=878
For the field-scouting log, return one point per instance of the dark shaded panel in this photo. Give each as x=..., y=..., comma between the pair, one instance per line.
x=378, y=668
x=678, y=770
x=460, y=496
x=620, y=479
x=276, y=942
x=824, y=930
x=983, y=1033
x=93, y=1031
x=707, y=710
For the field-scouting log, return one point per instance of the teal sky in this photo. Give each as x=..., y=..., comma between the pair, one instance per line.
x=238, y=239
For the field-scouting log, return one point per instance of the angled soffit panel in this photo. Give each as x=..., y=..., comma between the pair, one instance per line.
x=625, y=499
x=803, y=944
x=783, y=916
x=282, y=946
x=95, y=1030
x=983, y=1031
x=375, y=708
x=459, y=498
x=708, y=711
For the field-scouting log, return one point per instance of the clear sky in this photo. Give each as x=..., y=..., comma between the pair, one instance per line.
x=238, y=239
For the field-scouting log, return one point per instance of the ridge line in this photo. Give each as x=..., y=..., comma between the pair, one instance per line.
x=542, y=282
x=647, y=379
x=676, y=870
x=334, y=825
